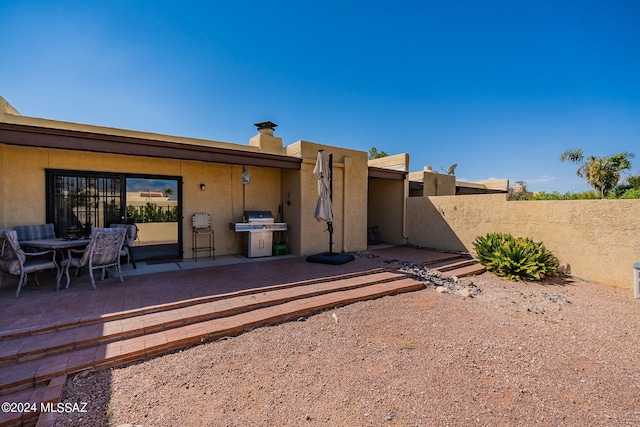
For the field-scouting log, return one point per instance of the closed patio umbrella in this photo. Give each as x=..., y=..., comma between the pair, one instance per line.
x=324, y=207
x=324, y=210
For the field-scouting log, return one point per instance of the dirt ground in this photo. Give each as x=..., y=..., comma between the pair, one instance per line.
x=560, y=353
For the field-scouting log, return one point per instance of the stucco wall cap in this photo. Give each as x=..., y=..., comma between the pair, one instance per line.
x=6, y=108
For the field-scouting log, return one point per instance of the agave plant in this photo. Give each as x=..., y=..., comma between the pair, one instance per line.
x=517, y=258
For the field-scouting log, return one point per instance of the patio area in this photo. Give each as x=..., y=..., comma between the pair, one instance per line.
x=149, y=285
x=163, y=307
x=153, y=284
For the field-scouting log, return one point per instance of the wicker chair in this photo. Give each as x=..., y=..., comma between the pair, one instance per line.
x=13, y=260
x=103, y=251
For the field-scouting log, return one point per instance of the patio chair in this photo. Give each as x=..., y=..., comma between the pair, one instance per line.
x=202, y=227
x=103, y=251
x=129, y=241
x=35, y=232
x=15, y=261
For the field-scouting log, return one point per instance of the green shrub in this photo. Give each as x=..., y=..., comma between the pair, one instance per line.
x=516, y=258
x=628, y=190
x=152, y=213
x=633, y=193
x=587, y=195
x=619, y=192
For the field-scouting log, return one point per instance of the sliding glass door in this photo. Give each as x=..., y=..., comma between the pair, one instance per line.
x=78, y=200
x=153, y=205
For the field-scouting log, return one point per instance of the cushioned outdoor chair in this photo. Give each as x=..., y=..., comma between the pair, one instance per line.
x=35, y=232
x=129, y=241
x=102, y=252
x=15, y=261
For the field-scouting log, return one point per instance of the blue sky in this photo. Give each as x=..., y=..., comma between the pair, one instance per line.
x=499, y=87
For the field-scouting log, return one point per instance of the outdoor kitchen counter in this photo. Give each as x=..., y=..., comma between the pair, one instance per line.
x=257, y=228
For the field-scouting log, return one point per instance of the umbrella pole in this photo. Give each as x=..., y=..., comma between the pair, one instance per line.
x=330, y=223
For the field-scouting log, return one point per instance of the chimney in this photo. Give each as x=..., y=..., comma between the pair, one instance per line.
x=265, y=140
x=266, y=128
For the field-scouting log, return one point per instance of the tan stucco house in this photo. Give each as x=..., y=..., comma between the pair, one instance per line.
x=85, y=175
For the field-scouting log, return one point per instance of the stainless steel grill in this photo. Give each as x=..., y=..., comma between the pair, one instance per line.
x=259, y=227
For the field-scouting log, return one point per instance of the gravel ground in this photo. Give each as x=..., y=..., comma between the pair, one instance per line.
x=560, y=353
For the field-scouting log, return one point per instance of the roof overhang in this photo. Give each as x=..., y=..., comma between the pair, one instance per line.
x=35, y=136
x=386, y=173
x=460, y=190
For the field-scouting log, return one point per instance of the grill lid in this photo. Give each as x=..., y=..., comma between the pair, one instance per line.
x=258, y=216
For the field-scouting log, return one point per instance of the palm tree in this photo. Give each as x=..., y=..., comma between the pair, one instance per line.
x=602, y=173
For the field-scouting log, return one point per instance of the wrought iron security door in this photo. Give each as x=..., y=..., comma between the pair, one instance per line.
x=84, y=201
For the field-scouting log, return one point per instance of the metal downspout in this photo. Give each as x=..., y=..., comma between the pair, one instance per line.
x=347, y=166
x=405, y=210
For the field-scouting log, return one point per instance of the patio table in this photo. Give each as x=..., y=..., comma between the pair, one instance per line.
x=59, y=245
x=55, y=244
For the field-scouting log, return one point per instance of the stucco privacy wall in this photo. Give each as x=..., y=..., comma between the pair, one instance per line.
x=397, y=162
x=594, y=239
x=23, y=192
x=349, y=200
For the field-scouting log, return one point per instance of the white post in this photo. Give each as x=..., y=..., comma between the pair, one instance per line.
x=636, y=280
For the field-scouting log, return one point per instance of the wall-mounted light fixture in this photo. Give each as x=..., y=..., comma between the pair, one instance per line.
x=202, y=187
